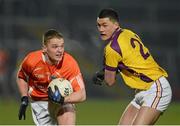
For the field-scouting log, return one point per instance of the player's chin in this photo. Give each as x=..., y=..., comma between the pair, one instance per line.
x=57, y=59
x=104, y=38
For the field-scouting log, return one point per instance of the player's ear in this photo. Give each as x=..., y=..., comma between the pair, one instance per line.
x=44, y=48
x=116, y=24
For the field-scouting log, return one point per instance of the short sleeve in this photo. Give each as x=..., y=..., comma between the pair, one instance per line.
x=111, y=59
x=25, y=68
x=74, y=74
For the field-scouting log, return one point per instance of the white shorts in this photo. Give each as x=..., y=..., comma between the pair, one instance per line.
x=45, y=113
x=158, y=96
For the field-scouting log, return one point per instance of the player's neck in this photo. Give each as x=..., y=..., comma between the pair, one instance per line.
x=49, y=60
x=113, y=34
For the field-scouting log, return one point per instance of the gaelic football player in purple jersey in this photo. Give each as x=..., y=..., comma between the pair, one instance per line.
x=125, y=53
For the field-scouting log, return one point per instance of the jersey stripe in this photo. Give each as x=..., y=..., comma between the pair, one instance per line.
x=142, y=76
x=79, y=80
x=158, y=94
x=114, y=44
x=110, y=68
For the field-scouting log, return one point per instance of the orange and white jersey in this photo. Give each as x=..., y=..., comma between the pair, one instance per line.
x=38, y=73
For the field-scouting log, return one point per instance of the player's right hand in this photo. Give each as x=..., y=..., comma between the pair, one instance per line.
x=22, y=109
x=98, y=77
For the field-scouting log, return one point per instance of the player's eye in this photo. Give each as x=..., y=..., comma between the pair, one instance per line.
x=105, y=25
x=54, y=46
x=62, y=46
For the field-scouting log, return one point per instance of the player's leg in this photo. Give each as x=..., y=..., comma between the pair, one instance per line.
x=67, y=115
x=128, y=115
x=154, y=102
x=146, y=116
x=40, y=113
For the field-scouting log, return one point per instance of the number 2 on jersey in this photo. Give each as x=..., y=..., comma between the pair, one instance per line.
x=142, y=52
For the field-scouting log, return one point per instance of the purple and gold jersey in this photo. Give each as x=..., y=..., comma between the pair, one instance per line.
x=126, y=52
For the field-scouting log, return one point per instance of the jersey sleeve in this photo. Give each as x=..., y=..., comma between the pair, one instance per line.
x=24, y=69
x=75, y=75
x=111, y=59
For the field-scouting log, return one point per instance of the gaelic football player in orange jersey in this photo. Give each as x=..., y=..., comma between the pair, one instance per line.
x=125, y=53
x=37, y=70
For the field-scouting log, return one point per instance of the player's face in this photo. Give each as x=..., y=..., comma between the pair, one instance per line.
x=54, y=49
x=106, y=27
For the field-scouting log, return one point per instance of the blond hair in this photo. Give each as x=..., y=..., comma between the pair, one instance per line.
x=51, y=33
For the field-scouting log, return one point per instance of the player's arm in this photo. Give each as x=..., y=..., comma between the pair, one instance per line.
x=107, y=75
x=77, y=82
x=76, y=97
x=110, y=77
x=23, y=89
x=76, y=79
x=104, y=76
x=22, y=86
x=79, y=94
x=21, y=78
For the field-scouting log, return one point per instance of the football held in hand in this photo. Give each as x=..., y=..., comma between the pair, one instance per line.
x=64, y=86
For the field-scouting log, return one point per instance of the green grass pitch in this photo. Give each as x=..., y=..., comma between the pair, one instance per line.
x=91, y=112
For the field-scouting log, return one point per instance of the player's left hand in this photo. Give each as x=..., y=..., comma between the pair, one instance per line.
x=56, y=96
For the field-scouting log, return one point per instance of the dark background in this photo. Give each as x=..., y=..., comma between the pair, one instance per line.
x=22, y=23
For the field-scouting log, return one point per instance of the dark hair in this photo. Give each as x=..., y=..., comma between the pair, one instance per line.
x=109, y=13
x=51, y=33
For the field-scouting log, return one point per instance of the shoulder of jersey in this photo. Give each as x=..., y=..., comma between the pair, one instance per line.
x=69, y=58
x=128, y=32
x=34, y=57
